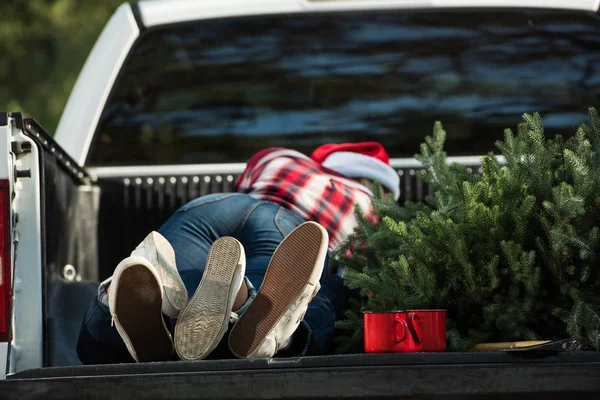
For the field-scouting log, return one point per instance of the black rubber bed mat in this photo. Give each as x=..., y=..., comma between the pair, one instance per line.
x=416, y=375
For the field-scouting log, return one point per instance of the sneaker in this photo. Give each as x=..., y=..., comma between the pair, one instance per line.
x=291, y=281
x=204, y=321
x=135, y=303
x=159, y=252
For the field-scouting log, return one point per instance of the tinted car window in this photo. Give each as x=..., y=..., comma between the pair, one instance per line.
x=220, y=90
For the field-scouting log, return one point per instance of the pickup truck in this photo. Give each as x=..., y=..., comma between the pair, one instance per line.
x=176, y=95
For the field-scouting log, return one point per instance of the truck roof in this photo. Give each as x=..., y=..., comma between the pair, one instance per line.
x=160, y=12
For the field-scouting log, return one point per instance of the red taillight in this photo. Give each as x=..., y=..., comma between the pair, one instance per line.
x=5, y=260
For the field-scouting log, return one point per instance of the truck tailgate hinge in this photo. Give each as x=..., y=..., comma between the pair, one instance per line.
x=20, y=147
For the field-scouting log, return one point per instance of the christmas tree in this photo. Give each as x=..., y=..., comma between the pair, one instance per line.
x=511, y=253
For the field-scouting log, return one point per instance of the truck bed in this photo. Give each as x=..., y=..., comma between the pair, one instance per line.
x=125, y=204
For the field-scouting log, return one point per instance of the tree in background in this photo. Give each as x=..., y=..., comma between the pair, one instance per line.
x=44, y=44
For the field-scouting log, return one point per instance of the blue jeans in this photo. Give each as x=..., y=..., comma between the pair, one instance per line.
x=260, y=226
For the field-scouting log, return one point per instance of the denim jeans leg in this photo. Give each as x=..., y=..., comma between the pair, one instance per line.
x=260, y=238
x=316, y=333
x=263, y=229
x=195, y=226
x=99, y=342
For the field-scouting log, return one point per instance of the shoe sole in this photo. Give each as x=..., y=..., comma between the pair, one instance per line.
x=204, y=321
x=288, y=274
x=157, y=249
x=138, y=311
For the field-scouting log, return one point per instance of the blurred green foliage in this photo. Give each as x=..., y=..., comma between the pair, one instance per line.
x=44, y=44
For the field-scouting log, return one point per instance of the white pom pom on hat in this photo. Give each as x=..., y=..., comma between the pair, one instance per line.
x=360, y=160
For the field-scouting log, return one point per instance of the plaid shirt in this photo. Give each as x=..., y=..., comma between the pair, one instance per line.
x=297, y=183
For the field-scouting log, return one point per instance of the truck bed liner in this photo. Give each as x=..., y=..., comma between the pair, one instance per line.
x=443, y=375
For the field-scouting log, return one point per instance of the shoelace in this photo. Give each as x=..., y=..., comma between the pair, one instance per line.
x=233, y=317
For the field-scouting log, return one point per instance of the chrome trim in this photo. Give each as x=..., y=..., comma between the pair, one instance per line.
x=235, y=168
x=165, y=170
x=403, y=163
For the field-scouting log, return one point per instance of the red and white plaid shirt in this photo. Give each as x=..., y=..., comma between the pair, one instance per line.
x=297, y=183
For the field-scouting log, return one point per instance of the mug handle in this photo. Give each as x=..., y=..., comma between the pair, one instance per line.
x=411, y=318
x=400, y=329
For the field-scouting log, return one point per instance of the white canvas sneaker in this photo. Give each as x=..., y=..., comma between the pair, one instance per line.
x=291, y=281
x=159, y=252
x=143, y=287
x=204, y=321
x=135, y=303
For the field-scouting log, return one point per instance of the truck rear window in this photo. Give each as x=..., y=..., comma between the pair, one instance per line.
x=219, y=90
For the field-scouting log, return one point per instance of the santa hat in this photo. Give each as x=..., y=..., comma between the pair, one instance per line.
x=360, y=160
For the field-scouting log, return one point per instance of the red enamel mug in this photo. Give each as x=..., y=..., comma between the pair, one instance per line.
x=404, y=331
